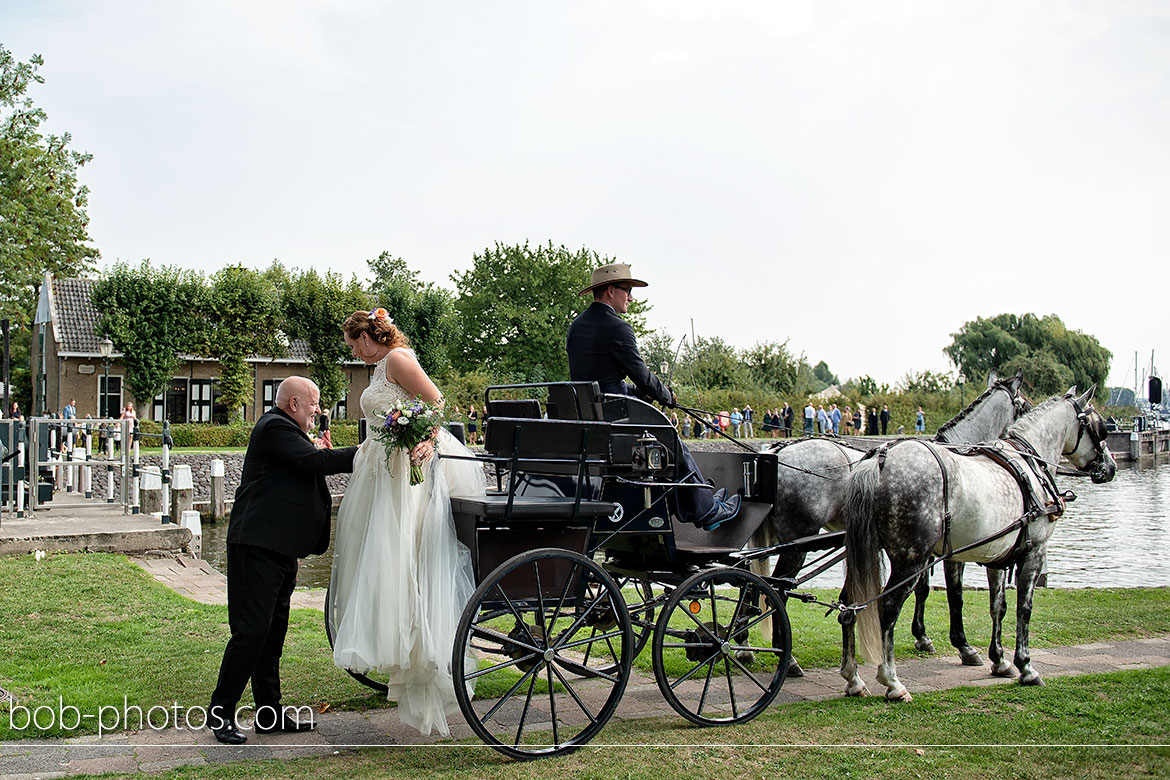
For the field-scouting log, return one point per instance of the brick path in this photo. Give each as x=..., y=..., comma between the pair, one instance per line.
x=336, y=732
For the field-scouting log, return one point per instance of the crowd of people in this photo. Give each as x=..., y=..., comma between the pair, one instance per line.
x=780, y=422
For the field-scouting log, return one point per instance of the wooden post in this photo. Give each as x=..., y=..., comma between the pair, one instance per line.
x=218, y=508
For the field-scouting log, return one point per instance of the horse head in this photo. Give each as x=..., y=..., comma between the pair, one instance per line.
x=1090, y=453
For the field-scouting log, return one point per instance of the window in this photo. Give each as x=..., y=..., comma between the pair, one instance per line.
x=268, y=399
x=201, y=400
x=173, y=403
x=109, y=401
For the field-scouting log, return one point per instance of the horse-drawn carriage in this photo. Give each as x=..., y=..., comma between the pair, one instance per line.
x=581, y=563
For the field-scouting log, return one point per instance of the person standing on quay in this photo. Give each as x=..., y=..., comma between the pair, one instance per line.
x=885, y=418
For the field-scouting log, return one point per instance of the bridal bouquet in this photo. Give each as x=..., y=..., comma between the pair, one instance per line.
x=404, y=426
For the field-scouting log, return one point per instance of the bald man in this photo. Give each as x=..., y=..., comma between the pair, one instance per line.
x=281, y=513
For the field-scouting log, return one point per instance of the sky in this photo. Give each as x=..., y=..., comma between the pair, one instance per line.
x=857, y=179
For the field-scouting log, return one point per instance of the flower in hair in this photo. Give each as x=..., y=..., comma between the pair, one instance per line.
x=381, y=314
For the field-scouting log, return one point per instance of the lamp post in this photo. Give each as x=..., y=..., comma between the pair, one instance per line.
x=105, y=349
x=962, y=380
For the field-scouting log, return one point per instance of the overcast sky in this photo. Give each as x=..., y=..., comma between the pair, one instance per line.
x=858, y=178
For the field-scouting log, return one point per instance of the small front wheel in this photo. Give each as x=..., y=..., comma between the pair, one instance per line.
x=545, y=677
x=711, y=660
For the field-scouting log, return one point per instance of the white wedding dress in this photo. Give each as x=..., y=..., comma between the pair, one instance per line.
x=400, y=576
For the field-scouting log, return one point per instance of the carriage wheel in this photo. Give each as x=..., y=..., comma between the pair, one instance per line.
x=638, y=593
x=710, y=660
x=364, y=679
x=545, y=680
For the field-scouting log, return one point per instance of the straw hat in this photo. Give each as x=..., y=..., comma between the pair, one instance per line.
x=612, y=274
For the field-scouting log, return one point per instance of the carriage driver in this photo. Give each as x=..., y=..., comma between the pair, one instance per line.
x=602, y=349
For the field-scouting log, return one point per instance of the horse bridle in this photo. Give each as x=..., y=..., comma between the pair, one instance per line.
x=1096, y=432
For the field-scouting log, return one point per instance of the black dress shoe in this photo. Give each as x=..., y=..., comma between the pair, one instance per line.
x=285, y=725
x=723, y=511
x=229, y=734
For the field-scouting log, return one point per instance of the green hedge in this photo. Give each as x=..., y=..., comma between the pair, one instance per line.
x=203, y=435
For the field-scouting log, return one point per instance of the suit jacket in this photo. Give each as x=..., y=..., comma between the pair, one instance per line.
x=283, y=503
x=602, y=349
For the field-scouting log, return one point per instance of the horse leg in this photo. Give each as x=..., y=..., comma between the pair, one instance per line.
x=954, y=574
x=892, y=603
x=854, y=685
x=1026, y=576
x=922, y=642
x=996, y=580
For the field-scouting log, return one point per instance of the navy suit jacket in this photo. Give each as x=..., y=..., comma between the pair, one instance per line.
x=283, y=503
x=602, y=349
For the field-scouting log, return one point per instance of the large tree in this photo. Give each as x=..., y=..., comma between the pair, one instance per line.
x=1051, y=356
x=422, y=310
x=43, y=223
x=243, y=319
x=314, y=307
x=153, y=316
x=515, y=305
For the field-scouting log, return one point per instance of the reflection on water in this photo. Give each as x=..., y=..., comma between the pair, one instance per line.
x=1113, y=535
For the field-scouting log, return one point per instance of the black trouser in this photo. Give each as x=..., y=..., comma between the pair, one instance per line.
x=260, y=586
x=694, y=504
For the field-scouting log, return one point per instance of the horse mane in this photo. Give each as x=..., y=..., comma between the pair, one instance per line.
x=958, y=418
x=1024, y=423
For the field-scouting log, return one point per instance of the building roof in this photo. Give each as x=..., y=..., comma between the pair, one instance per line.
x=74, y=319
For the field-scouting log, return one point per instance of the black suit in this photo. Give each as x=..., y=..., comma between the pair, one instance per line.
x=281, y=513
x=602, y=349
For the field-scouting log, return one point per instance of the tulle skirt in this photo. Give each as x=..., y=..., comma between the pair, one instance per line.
x=401, y=578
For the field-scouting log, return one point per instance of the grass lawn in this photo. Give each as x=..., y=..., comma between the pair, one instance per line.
x=1011, y=732
x=95, y=629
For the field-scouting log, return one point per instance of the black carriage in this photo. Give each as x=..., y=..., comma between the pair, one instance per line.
x=580, y=563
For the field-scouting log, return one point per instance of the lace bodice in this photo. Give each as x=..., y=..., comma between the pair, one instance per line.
x=381, y=393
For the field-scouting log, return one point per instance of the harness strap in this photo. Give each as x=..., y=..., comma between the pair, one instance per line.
x=881, y=452
x=1035, y=505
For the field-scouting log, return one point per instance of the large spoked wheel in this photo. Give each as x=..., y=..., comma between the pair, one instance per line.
x=364, y=679
x=545, y=679
x=711, y=661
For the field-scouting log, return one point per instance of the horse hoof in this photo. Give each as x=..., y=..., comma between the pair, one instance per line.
x=971, y=658
x=1005, y=670
x=924, y=645
x=858, y=692
x=903, y=695
x=745, y=657
x=1032, y=678
x=794, y=669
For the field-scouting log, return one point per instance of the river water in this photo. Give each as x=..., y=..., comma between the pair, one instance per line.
x=1113, y=535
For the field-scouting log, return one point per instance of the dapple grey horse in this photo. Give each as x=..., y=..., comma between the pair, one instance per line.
x=996, y=505
x=810, y=495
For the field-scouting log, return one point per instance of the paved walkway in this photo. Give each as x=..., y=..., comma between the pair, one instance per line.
x=336, y=732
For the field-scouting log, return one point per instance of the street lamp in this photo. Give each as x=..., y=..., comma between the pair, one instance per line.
x=105, y=349
x=962, y=380
x=663, y=368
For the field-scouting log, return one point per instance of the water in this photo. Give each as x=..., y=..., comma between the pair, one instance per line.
x=1113, y=535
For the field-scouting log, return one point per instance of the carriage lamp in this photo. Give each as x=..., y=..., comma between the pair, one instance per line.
x=650, y=453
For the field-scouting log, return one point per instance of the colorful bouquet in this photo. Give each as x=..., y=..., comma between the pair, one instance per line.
x=404, y=426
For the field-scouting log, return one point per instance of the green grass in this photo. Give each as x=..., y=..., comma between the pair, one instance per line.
x=93, y=629
x=1017, y=732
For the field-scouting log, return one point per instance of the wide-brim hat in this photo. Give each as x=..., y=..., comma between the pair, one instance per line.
x=614, y=273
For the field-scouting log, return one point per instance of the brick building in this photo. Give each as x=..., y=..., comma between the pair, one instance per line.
x=66, y=365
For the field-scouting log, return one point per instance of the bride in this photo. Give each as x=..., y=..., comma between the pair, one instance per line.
x=400, y=577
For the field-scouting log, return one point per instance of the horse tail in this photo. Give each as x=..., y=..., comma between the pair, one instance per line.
x=863, y=564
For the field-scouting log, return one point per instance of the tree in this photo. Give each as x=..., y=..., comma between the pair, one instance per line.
x=244, y=318
x=822, y=373
x=422, y=310
x=153, y=316
x=515, y=305
x=772, y=366
x=1006, y=343
x=43, y=222
x=929, y=382
x=713, y=363
x=314, y=308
